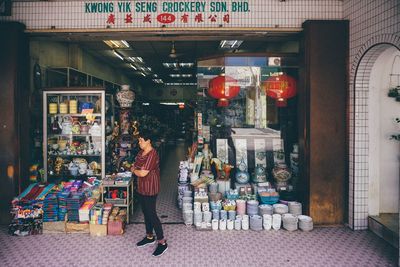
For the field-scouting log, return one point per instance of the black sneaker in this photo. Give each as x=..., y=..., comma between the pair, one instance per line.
x=145, y=241
x=160, y=249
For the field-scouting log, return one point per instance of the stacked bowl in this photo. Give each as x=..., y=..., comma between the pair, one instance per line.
x=305, y=223
x=289, y=222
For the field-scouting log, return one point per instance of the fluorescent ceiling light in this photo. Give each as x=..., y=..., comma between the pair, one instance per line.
x=173, y=75
x=118, y=55
x=234, y=43
x=132, y=66
x=169, y=103
x=230, y=44
x=175, y=65
x=188, y=84
x=136, y=59
x=146, y=104
x=155, y=75
x=143, y=74
x=186, y=65
x=125, y=43
x=117, y=44
x=158, y=80
x=170, y=65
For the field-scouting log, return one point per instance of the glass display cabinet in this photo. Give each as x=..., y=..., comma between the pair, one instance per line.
x=73, y=133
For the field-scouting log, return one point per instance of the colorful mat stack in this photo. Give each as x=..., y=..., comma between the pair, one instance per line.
x=62, y=205
x=50, y=208
x=74, y=202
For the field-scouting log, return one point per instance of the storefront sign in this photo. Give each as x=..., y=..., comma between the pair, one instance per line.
x=5, y=7
x=168, y=12
x=88, y=15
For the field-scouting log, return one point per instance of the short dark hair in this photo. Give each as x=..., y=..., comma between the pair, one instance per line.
x=146, y=135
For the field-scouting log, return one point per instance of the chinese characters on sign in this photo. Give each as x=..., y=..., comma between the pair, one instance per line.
x=168, y=12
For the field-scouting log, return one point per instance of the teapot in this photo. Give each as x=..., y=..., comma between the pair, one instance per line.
x=73, y=168
x=76, y=127
x=66, y=125
x=84, y=127
x=95, y=130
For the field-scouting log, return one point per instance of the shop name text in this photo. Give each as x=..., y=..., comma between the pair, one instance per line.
x=170, y=7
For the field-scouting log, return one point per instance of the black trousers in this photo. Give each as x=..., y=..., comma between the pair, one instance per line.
x=148, y=204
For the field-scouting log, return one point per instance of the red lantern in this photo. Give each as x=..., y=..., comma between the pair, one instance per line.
x=281, y=88
x=223, y=88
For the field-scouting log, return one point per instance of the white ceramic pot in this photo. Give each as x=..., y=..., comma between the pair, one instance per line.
x=222, y=225
x=229, y=224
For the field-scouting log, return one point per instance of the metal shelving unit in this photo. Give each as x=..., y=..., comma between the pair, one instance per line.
x=129, y=198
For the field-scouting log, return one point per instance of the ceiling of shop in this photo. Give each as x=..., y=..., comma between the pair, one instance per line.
x=155, y=49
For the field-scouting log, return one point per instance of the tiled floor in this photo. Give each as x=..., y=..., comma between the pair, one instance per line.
x=328, y=246
x=338, y=246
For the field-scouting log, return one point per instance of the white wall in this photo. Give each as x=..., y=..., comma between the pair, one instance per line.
x=383, y=152
x=371, y=21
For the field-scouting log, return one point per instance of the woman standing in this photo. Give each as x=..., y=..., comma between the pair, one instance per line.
x=147, y=169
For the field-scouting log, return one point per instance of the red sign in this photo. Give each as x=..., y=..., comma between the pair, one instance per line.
x=166, y=18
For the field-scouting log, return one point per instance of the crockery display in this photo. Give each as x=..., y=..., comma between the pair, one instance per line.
x=125, y=97
x=66, y=125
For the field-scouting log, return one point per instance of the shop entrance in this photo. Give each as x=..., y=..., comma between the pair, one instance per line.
x=164, y=76
x=380, y=72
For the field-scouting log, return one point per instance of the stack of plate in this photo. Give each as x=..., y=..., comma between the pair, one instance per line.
x=295, y=208
x=265, y=209
x=276, y=221
x=188, y=217
x=305, y=223
x=215, y=214
x=252, y=207
x=256, y=223
x=280, y=209
x=289, y=222
x=187, y=206
x=187, y=200
x=187, y=193
x=198, y=217
x=207, y=216
x=267, y=221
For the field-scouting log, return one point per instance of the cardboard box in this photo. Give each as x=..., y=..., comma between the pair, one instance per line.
x=77, y=228
x=54, y=227
x=115, y=227
x=98, y=229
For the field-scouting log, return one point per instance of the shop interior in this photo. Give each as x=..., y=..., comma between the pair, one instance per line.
x=213, y=103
